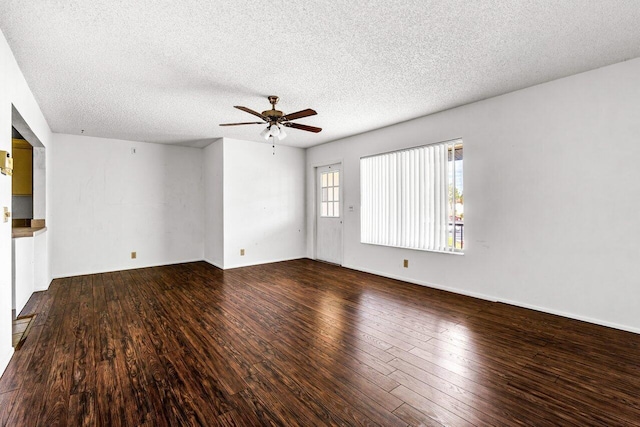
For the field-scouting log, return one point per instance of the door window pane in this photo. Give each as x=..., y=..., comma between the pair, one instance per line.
x=330, y=194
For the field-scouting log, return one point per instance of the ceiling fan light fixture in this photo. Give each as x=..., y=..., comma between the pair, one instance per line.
x=275, y=130
x=266, y=133
x=282, y=134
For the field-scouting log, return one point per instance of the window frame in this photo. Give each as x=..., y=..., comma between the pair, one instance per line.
x=333, y=201
x=453, y=146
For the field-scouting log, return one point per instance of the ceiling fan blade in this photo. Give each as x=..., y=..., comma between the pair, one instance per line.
x=303, y=127
x=244, y=123
x=299, y=114
x=250, y=111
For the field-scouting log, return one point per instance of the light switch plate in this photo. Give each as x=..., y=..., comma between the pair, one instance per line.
x=6, y=214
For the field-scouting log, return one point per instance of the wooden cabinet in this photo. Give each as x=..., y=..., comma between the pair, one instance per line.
x=22, y=182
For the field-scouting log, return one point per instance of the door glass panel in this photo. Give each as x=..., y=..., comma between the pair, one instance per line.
x=330, y=194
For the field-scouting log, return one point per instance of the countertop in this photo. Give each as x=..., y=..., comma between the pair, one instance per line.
x=17, y=232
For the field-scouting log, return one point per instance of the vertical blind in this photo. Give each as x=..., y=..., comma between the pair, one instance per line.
x=404, y=198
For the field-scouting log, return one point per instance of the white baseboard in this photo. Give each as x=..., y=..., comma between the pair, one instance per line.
x=424, y=283
x=41, y=288
x=249, y=264
x=573, y=316
x=271, y=261
x=4, y=361
x=396, y=277
x=501, y=300
x=161, y=264
x=215, y=264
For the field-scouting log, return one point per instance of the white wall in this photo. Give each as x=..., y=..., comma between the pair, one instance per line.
x=23, y=271
x=39, y=182
x=108, y=202
x=41, y=273
x=262, y=203
x=551, y=190
x=213, y=199
x=13, y=91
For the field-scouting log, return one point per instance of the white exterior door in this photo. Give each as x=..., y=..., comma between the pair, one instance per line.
x=329, y=214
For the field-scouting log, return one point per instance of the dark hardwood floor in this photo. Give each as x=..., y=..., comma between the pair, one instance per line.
x=306, y=343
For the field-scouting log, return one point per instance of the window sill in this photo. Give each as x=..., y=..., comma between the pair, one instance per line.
x=414, y=249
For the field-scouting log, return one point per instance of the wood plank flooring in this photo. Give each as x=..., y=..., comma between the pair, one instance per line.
x=306, y=343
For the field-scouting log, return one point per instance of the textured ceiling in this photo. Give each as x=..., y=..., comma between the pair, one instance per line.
x=171, y=71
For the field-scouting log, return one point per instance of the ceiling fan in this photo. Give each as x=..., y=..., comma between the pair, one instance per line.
x=276, y=120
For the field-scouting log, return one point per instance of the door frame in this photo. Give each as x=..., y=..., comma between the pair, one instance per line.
x=316, y=166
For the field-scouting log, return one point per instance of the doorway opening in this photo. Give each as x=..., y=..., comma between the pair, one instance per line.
x=28, y=210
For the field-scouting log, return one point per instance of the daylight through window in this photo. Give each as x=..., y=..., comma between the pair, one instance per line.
x=330, y=204
x=414, y=198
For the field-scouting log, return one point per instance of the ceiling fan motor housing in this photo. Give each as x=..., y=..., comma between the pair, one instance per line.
x=272, y=114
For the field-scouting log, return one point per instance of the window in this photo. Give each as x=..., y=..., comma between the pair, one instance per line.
x=413, y=198
x=330, y=204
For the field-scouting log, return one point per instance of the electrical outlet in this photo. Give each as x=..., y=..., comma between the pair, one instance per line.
x=133, y=255
x=241, y=252
x=406, y=263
